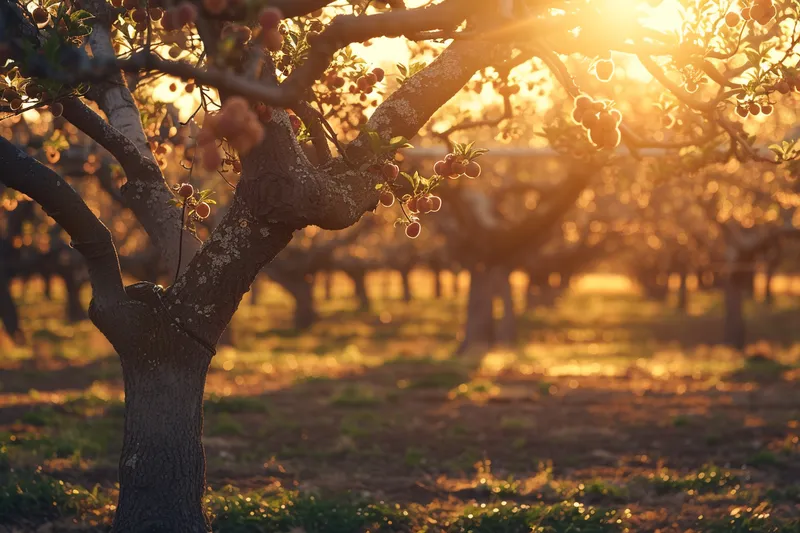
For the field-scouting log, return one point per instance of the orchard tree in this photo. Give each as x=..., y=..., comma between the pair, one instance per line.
x=271, y=75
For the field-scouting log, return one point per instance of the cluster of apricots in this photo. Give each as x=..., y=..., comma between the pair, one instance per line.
x=201, y=209
x=604, y=69
x=454, y=166
x=600, y=122
x=16, y=99
x=237, y=123
x=760, y=12
x=753, y=108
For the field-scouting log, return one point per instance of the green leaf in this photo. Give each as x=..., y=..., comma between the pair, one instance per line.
x=378, y=186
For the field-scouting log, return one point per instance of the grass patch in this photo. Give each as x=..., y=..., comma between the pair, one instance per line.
x=558, y=518
x=355, y=395
x=235, y=404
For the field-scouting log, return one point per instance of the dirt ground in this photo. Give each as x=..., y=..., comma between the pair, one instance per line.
x=608, y=400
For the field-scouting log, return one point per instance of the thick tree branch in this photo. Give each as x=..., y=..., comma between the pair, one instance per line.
x=59, y=200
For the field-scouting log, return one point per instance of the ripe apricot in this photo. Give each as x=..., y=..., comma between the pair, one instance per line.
x=270, y=17
x=441, y=168
x=436, y=203
x=732, y=19
x=379, y=74
x=457, y=167
x=424, y=204
x=413, y=230
x=473, y=170
x=386, y=198
x=186, y=190
x=411, y=205
x=272, y=39
x=390, y=171
x=202, y=210
x=57, y=109
x=40, y=15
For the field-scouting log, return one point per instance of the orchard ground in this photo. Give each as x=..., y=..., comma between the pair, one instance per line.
x=611, y=414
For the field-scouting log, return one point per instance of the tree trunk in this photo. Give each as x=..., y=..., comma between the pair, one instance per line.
x=683, y=295
x=734, y=327
x=479, y=328
x=162, y=467
x=75, y=311
x=749, y=283
x=507, y=326
x=455, y=288
x=301, y=288
x=359, y=278
x=8, y=309
x=327, y=283
x=404, y=275
x=305, y=314
x=769, y=296
x=437, y=284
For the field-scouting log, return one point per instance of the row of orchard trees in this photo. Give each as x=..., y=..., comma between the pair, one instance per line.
x=293, y=129
x=636, y=216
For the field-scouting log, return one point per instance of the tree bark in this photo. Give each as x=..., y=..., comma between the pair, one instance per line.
x=162, y=466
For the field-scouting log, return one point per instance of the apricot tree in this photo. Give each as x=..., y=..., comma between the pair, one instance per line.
x=284, y=101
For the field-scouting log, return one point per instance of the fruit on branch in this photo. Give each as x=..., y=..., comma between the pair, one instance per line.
x=691, y=86
x=411, y=205
x=413, y=230
x=379, y=74
x=754, y=108
x=457, y=167
x=202, y=210
x=436, y=203
x=441, y=168
x=236, y=123
x=746, y=13
x=40, y=16
x=732, y=19
x=763, y=11
x=386, y=199
x=178, y=17
x=270, y=17
x=766, y=109
x=604, y=69
x=215, y=7
x=263, y=111
x=272, y=40
x=424, y=204
x=390, y=171
x=742, y=110
x=472, y=170
x=185, y=190
x=156, y=13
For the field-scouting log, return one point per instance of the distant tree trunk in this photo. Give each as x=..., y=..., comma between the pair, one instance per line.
x=749, y=283
x=359, y=278
x=404, y=277
x=437, y=284
x=539, y=292
x=47, y=280
x=683, y=294
x=479, y=328
x=566, y=281
x=75, y=311
x=507, y=326
x=653, y=287
x=455, y=289
x=769, y=296
x=327, y=283
x=301, y=287
x=8, y=309
x=734, y=328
